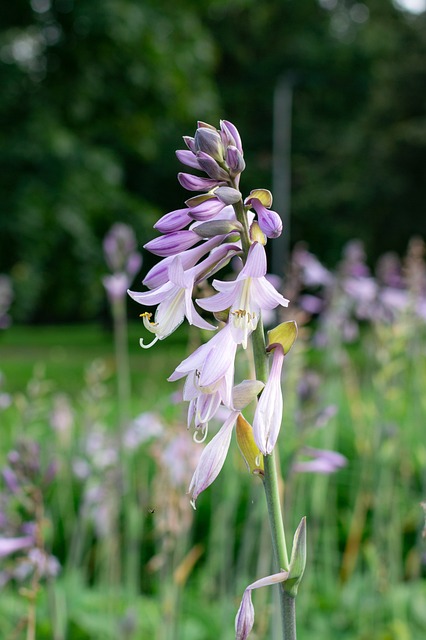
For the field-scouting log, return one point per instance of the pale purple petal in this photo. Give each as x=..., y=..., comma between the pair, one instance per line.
x=192, y=362
x=212, y=459
x=219, y=301
x=255, y=267
x=192, y=314
x=219, y=359
x=170, y=314
x=155, y=296
x=266, y=296
x=207, y=404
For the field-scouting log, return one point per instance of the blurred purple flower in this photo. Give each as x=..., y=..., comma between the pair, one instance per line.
x=322, y=461
x=122, y=258
x=11, y=545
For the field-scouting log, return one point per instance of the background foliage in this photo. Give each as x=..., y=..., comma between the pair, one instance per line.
x=95, y=98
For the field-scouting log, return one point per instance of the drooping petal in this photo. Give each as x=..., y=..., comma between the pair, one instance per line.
x=220, y=301
x=266, y=295
x=192, y=314
x=212, y=459
x=150, y=298
x=268, y=414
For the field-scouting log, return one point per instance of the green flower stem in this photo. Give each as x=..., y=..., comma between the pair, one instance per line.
x=241, y=216
x=289, y=617
x=270, y=479
x=271, y=486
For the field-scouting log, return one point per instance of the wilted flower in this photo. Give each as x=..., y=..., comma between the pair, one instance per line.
x=268, y=414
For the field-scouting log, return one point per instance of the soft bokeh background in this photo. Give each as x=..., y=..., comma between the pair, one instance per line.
x=330, y=100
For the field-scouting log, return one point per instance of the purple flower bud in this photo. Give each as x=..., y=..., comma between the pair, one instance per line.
x=158, y=275
x=269, y=221
x=231, y=135
x=190, y=143
x=173, y=221
x=209, y=142
x=188, y=158
x=217, y=227
x=172, y=243
x=194, y=183
x=116, y=285
x=245, y=617
x=207, y=209
x=235, y=161
x=227, y=195
x=118, y=244
x=211, y=167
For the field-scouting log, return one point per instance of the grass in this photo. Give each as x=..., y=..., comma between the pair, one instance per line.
x=182, y=573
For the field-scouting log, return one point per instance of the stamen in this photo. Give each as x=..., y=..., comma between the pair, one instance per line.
x=148, y=346
x=204, y=433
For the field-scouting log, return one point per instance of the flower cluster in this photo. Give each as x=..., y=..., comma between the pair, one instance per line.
x=196, y=242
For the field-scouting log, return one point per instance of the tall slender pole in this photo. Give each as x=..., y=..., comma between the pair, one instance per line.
x=281, y=169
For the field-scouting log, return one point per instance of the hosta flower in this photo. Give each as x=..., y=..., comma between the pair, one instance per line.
x=212, y=459
x=174, y=299
x=210, y=375
x=246, y=297
x=268, y=414
x=245, y=617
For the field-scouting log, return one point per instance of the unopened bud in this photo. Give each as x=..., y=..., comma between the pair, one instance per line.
x=248, y=447
x=297, y=560
x=284, y=334
x=235, y=161
x=214, y=228
x=227, y=195
x=256, y=234
x=209, y=141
